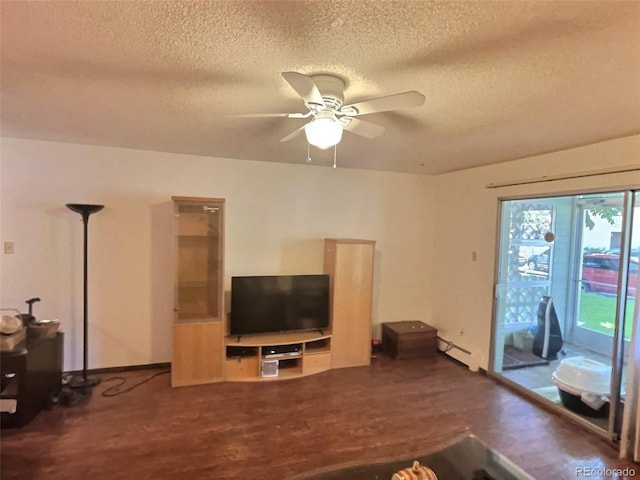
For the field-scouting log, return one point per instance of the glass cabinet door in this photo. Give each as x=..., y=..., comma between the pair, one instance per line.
x=199, y=257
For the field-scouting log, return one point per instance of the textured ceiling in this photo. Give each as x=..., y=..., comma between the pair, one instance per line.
x=502, y=80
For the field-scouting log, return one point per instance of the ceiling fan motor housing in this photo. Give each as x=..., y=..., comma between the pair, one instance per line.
x=331, y=88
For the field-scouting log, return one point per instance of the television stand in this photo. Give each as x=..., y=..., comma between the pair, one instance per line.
x=290, y=354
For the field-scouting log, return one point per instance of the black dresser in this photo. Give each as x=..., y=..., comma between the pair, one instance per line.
x=31, y=376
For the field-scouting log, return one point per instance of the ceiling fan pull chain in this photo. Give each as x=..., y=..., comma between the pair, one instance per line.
x=335, y=152
x=308, y=152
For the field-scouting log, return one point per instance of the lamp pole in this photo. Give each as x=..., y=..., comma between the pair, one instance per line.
x=85, y=380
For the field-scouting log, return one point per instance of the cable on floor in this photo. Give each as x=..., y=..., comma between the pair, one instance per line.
x=114, y=391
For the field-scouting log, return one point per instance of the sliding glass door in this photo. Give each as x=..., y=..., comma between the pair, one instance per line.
x=596, y=271
x=629, y=252
x=567, y=268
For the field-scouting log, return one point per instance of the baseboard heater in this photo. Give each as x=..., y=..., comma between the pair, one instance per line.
x=451, y=345
x=458, y=353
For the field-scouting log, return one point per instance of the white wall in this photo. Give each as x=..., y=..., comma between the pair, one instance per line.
x=276, y=218
x=466, y=220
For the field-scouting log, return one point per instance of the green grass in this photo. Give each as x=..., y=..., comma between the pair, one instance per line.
x=598, y=312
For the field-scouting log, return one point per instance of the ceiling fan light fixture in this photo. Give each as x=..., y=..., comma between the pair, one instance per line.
x=324, y=131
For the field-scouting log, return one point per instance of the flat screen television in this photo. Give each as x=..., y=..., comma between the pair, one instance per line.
x=279, y=303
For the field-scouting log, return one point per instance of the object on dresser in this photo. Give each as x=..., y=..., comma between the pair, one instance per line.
x=28, y=318
x=42, y=328
x=10, y=324
x=9, y=342
x=12, y=330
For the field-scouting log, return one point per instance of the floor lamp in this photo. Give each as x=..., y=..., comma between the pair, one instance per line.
x=84, y=381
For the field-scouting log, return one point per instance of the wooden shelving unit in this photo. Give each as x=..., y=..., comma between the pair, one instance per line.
x=201, y=351
x=198, y=330
x=350, y=264
x=244, y=355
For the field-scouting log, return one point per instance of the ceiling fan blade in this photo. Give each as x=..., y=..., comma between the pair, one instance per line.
x=363, y=128
x=262, y=115
x=384, y=104
x=293, y=134
x=305, y=87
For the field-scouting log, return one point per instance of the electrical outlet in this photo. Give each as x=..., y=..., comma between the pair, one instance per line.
x=8, y=247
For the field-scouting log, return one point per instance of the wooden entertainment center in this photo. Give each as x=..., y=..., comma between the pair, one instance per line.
x=203, y=352
x=300, y=353
x=347, y=343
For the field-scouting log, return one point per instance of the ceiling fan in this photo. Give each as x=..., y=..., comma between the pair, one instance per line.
x=323, y=96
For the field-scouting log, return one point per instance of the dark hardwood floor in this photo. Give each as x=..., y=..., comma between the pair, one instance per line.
x=272, y=430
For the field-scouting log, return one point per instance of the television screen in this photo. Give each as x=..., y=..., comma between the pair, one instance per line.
x=279, y=303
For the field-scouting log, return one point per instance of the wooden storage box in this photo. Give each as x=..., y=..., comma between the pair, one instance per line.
x=409, y=339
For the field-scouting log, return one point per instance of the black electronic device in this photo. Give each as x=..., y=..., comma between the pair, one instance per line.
x=548, y=338
x=280, y=351
x=279, y=303
x=241, y=352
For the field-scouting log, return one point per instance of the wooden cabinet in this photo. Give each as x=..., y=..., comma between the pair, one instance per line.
x=290, y=355
x=197, y=353
x=314, y=363
x=31, y=376
x=242, y=367
x=409, y=339
x=350, y=264
x=202, y=353
x=198, y=330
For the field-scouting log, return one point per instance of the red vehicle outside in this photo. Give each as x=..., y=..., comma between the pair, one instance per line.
x=600, y=273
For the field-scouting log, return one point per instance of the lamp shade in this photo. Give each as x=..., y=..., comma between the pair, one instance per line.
x=323, y=132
